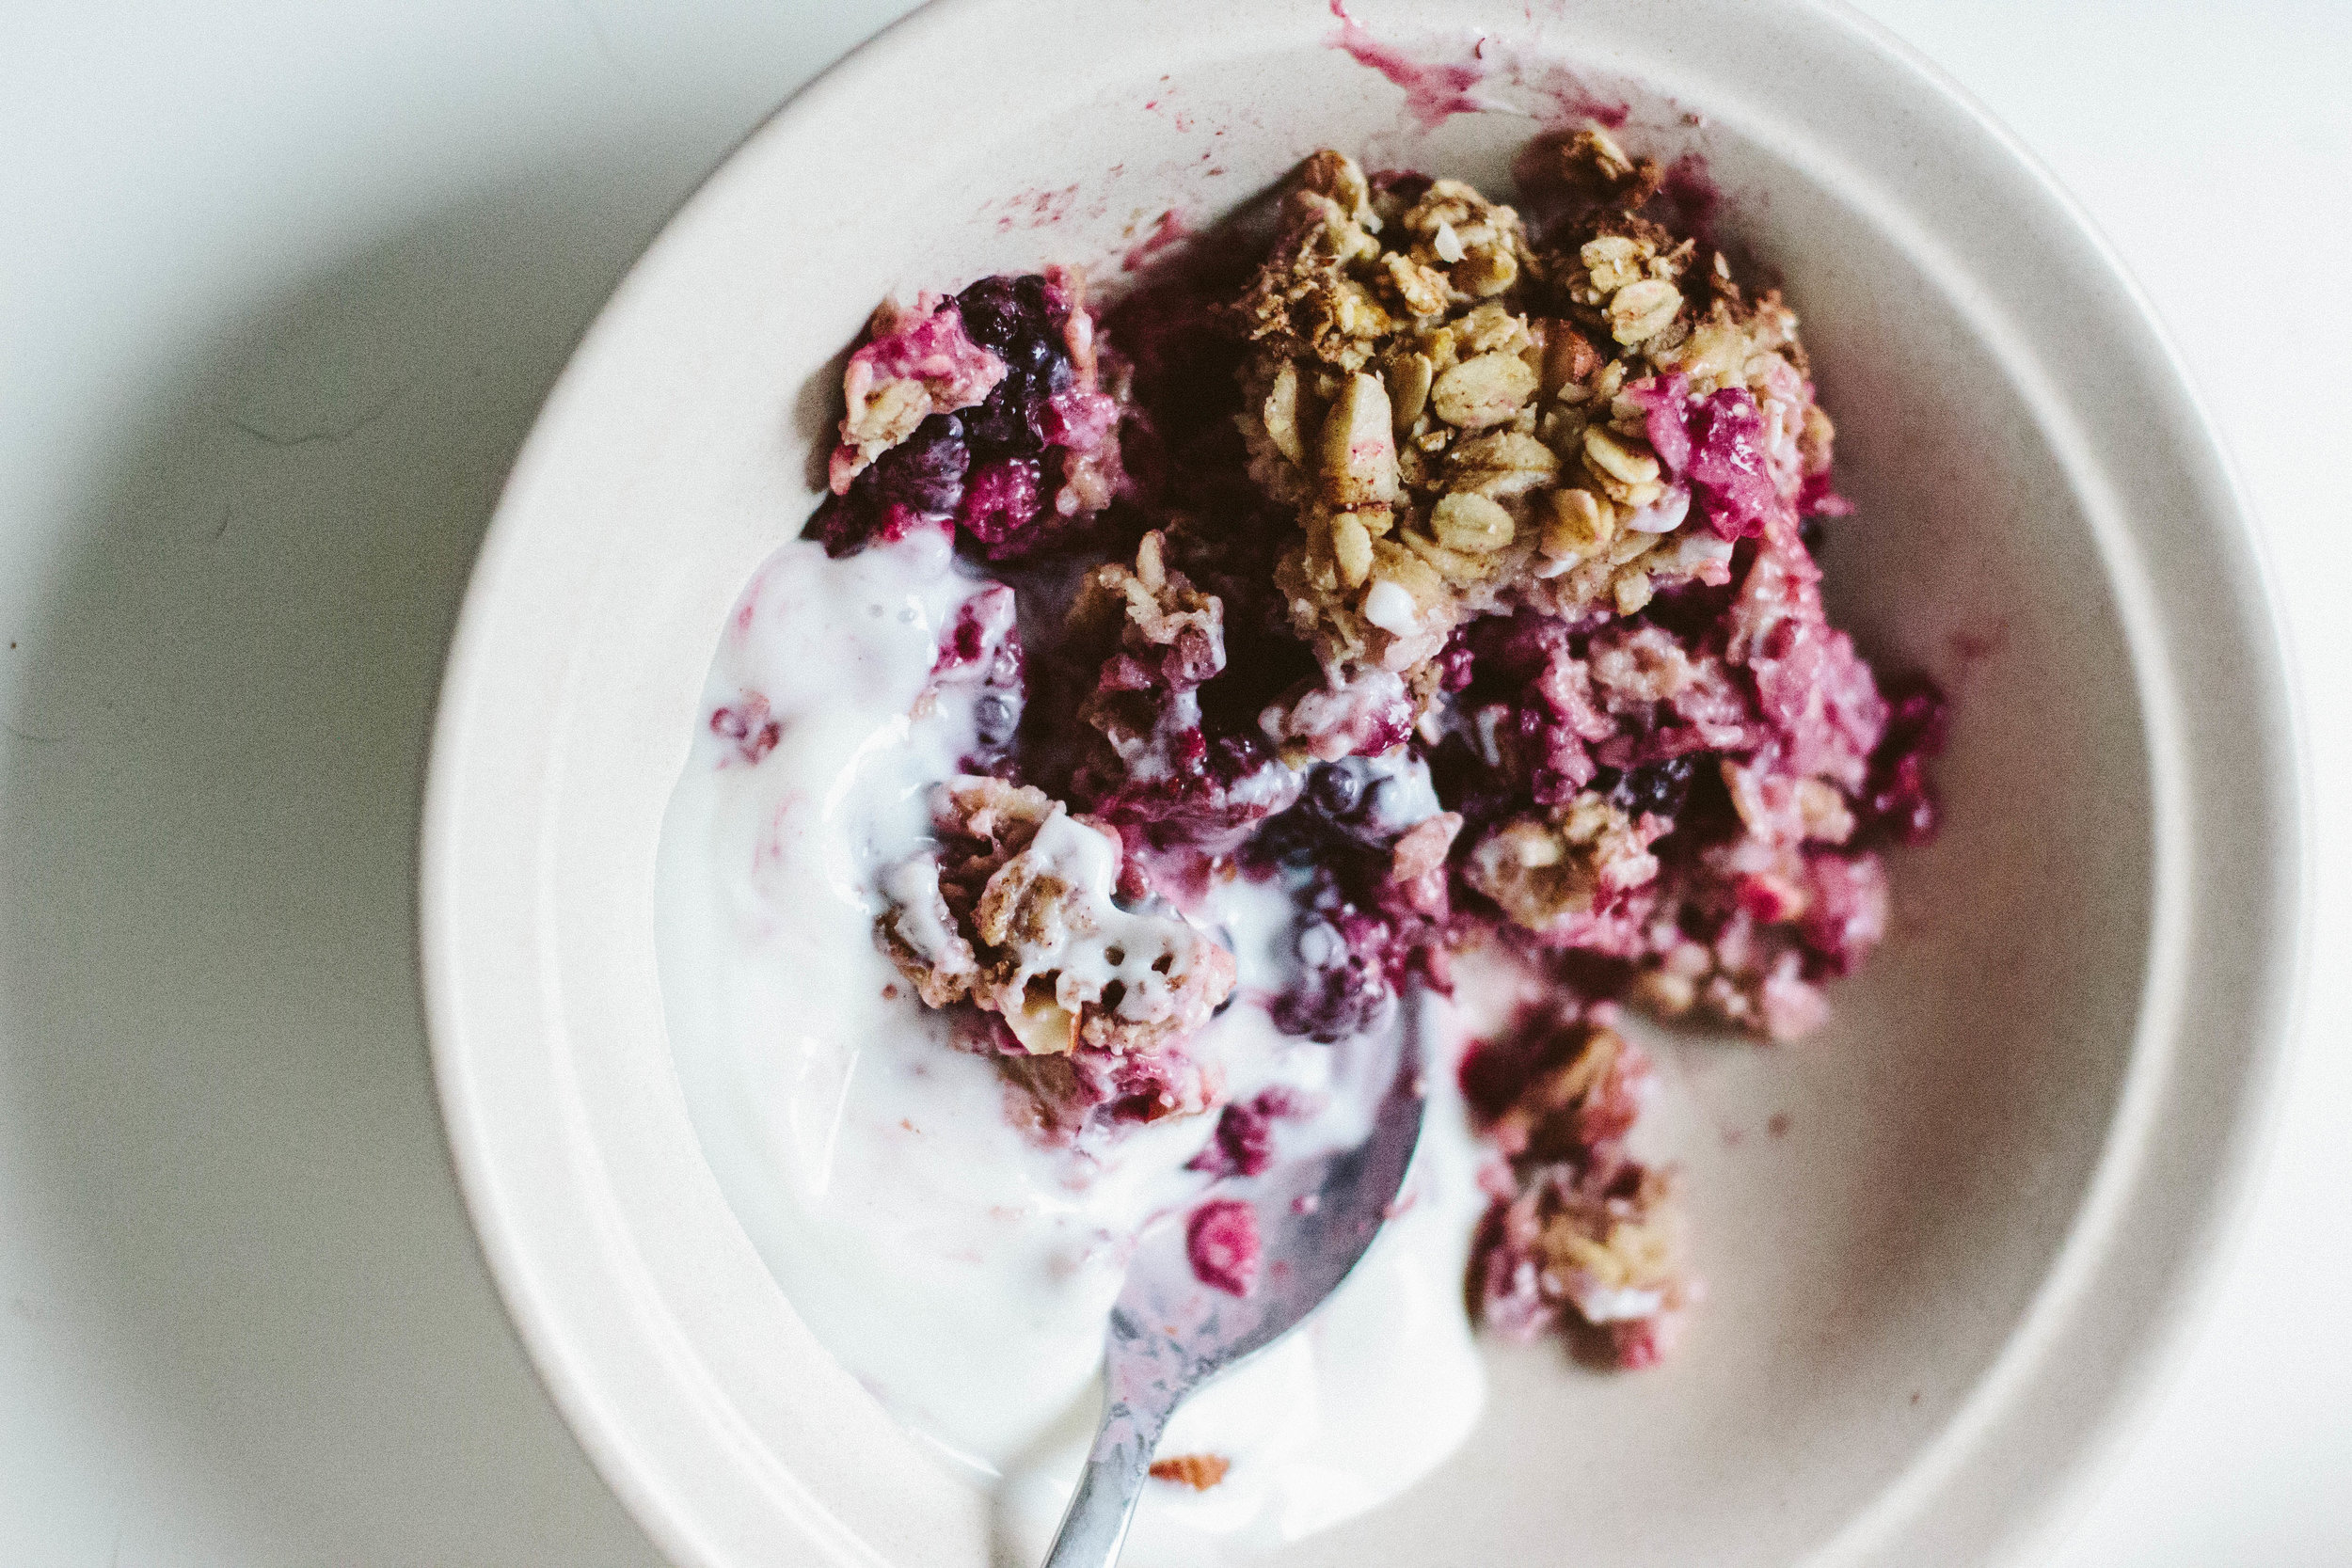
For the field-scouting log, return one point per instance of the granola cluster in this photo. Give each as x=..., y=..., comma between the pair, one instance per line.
x=1588, y=1237
x=1466, y=420
x=993, y=415
x=1014, y=915
x=1452, y=573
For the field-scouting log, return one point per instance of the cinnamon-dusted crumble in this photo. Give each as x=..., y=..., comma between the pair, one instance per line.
x=1449, y=570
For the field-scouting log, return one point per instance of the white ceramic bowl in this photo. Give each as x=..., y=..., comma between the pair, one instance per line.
x=2003, y=1171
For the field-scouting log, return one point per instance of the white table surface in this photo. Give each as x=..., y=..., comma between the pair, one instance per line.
x=280, y=287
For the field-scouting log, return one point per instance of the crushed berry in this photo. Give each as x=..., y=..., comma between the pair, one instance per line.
x=1079, y=419
x=1818, y=498
x=1146, y=1088
x=753, y=733
x=1081, y=1095
x=847, y=524
x=1663, y=401
x=984, y=631
x=1243, y=1144
x=1845, y=909
x=1727, y=464
x=1221, y=1239
x=1900, y=803
x=981, y=656
x=1454, y=664
x=1343, y=987
x=1640, y=1343
x=1717, y=441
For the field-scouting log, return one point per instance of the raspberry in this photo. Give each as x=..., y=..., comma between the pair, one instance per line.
x=1221, y=1239
x=1002, y=503
x=1244, y=1142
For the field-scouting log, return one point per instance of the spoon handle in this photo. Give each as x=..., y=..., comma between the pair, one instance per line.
x=1095, y=1528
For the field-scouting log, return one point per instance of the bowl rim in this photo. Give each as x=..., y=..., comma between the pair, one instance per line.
x=2170, y=1310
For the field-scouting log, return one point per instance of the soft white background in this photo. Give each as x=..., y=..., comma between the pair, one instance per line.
x=280, y=287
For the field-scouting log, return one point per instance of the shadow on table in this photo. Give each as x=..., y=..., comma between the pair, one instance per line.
x=216, y=1050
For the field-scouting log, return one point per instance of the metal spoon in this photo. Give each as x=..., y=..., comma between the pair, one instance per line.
x=1169, y=1333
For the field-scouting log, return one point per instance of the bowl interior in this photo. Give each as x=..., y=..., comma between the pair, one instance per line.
x=1877, y=1211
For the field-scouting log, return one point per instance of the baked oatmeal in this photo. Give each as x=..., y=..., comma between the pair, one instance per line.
x=1448, y=574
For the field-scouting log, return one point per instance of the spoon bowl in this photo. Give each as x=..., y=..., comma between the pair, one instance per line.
x=1171, y=1330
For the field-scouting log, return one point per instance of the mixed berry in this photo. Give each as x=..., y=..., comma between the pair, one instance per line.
x=1008, y=442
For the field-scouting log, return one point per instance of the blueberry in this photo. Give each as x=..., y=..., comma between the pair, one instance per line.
x=843, y=526
x=1351, y=998
x=1234, y=757
x=991, y=311
x=1012, y=423
x=1341, y=985
x=1654, y=786
x=1014, y=319
x=1337, y=788
x=1033, y=354
x=925, y=472
x=995, y=715
x=1000, y=312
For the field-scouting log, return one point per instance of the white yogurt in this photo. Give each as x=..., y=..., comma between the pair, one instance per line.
x=963, y=1271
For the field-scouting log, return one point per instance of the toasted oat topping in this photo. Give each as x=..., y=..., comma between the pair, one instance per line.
x=1612, y=1254
x=1169, y=636
x=1549, y=872
x=1464, y=423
